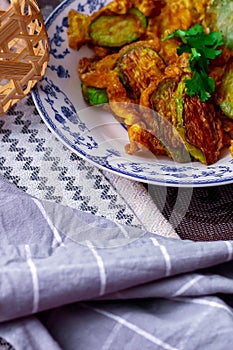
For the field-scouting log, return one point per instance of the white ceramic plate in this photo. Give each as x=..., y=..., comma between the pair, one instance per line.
x=94, y=134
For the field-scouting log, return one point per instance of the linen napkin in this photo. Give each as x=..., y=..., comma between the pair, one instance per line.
x=34, y=160
x=73, y=280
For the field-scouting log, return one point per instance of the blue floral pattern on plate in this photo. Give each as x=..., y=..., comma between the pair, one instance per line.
x=93, y=133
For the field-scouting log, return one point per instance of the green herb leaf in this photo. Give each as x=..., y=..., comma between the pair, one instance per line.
x=200, y=85
x=202, y=48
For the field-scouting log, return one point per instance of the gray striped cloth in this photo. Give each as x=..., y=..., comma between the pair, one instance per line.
x=73, y=280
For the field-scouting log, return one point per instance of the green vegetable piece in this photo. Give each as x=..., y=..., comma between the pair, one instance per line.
x=225, y=93
x=94, y=96
x=202, y=48
x=220, y=17
x=118, y=30
x=201, y=85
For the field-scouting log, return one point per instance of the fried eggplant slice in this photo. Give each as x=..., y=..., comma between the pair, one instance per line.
x=112, y=30
x=196, y=123
x=137, y=67
x=225, y=91
x=219, y=17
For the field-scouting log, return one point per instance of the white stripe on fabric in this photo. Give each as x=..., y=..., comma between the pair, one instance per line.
x=229, y=249
x=187, y=285
x=35, y=281
x=205, y=302
x=165, y=255
x=100, y=266
x=135, y=329
x=107, y=344
x=53, y=228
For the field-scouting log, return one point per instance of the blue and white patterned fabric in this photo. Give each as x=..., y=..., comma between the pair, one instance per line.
x=73, y=280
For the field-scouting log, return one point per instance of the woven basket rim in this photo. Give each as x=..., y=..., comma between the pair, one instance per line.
x=24, y=51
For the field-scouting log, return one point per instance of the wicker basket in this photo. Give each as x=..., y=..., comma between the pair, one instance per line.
x=24, y=51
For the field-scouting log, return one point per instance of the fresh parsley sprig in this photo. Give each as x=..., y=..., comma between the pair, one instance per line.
x=202, y=48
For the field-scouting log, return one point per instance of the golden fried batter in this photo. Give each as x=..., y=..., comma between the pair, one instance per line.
x=148, y=98
x=77, y=31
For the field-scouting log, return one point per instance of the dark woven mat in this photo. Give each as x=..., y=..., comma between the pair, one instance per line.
x=199, y=214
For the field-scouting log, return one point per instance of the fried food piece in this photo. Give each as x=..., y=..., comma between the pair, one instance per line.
x=140, y=138
x=124, y=108
x=219, y=17
x=203, y=128
x=231, y=148
x=116, y=6
x=138, y=66
x=150, y=8
x=180, y=14
x=196, y=122
x=79, y=23
x=147, y=7
x=176, y=14
x=116, y=30
x=107, y=73
x=225, y=91
x=228, y=128
x=144, y=81
x=114, y=25
x=98, y=73
x=77, y=31
x=102, y=76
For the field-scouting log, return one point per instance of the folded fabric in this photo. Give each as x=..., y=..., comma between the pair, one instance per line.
x=73, y=280
x=34, y=160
